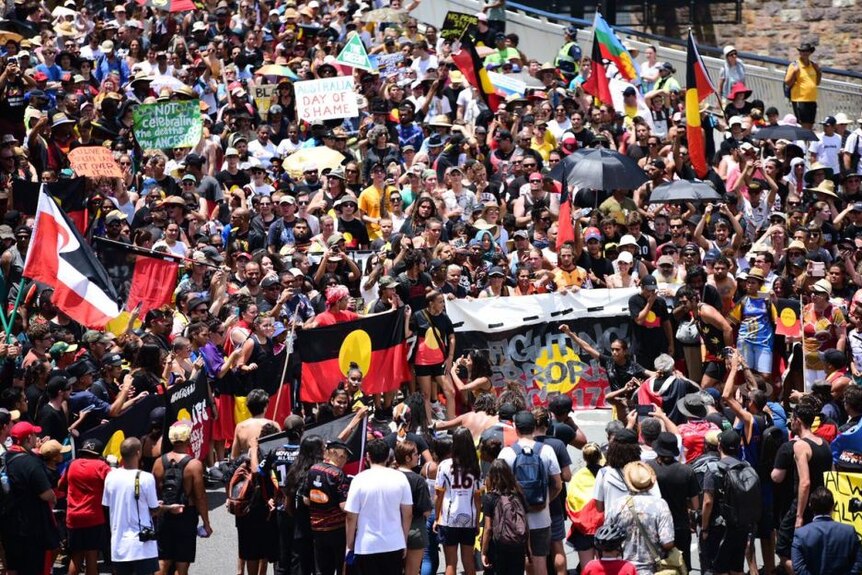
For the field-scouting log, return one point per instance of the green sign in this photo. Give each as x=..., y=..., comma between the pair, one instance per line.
x=354, y=55
x=168, y=125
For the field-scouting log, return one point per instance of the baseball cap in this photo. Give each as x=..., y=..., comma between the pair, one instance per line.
x=336, y=444
x=729, y=440
x=23, y=429
x=524, y=420
x=649, y=282
x=92, y=446
x=592, y=233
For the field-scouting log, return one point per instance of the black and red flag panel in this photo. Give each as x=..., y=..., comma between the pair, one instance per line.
x=375, y=343
x=470, y=64
x=153, y=283
x=69, y=193
x=59, y=257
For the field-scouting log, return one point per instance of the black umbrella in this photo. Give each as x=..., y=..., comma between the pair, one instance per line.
x=680, y=191
x=599, y=169
x=791, y=133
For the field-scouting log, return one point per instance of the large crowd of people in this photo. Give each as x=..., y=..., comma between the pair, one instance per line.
x=736, y=390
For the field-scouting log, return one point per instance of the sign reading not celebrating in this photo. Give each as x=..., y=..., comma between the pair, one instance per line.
x=326, y=99
x=168, y=125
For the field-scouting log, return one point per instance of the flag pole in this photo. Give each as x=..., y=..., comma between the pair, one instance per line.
x=9, y=325
x=138, y=250
x=288, y=351
x=802, y=340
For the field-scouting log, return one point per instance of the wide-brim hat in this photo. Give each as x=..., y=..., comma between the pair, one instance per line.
x=739, y=88
x=826, y=187
x=816, y=167
x=515, y=100
x=639, y=476
x=692, y=405
x=440, y=121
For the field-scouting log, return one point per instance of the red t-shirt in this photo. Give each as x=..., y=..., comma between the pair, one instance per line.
x=84, y=483
x=609, y=567
x=693, y=434
x=334, y=317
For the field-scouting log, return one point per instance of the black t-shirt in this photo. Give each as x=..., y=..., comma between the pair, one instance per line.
x=649, y=340
x=412, y=292
x=421, y=496
x=284, y=458
x=53, y=422
x=229, y=180
x=326, y=487
x=678, y=484
x=564, y=432
x=600, y=267
x=421, y=444
x=28, y=478
x=354, y=232
x=619, y=375
x=489, y=504
x=784, y=493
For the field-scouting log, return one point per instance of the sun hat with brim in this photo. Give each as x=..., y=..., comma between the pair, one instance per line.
x=9, y=415
x=440, y=121
x=822, y=286
x=816, y=167
x=639, y=476
x=692, y=405
x=482, y=224
x=666, y=445
x=826, y=187
x=756, y=273
x=61, y=120
x=515, y=100
x=52, y=448
x=739, y=88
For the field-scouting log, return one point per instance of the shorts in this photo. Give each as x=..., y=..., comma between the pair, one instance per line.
x=540, y=542
x=558, y=528
x=757, y=357
x=178, y=535
x=417, y=537
x=581, y=542
x=805, y=112
x=139, y=567
x=438, y=370
x=715, y=369
x=786, y=529
x=452, y=536
x=88, y=538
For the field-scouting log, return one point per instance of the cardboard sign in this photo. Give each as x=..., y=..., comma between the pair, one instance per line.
x=456, y=23
x=354, y=55
x=94, y=162
x=388, y=64
x=168, y=125
x=263, y=98
x=325, y=99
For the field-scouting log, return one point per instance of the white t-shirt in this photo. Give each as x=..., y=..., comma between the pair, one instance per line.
x=828, y=149
x=853, y=145
x=263, y=152
x=376, y=496
x=119, y=497
x=536, y=519
x=458, y=497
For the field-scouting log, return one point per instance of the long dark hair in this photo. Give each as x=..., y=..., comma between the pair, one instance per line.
x=310, y=452
x=501, y=480
x=464, y=458
x=481, y=365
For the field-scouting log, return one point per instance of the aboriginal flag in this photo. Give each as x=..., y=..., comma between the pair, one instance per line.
x=135, y=422
x=698, y=87
x=789, y=314
x=468, y=61
x=375, y=343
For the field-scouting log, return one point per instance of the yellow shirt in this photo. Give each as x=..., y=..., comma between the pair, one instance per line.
x=805, y=87
x=369, y=204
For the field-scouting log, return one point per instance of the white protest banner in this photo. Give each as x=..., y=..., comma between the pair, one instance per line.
x=168, y=125
x=326, y=99
x=263, y=98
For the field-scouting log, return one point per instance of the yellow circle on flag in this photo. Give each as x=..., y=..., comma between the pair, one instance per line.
x=788, y=317
x=650, y=316
x=356, y=348
x=556, y=371
x=184, y=415
x=113, y=446
x=431, y=339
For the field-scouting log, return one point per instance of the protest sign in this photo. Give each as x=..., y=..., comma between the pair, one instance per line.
x=388, y=63
x=94, y=162
x=134, y=422
x=846, y=489
x=263, y=98
x=456, y=23
x=187, y=401
x=326, y=99
x=507, y=85
x=354, y=55
x=168, y=125
x=524, y=343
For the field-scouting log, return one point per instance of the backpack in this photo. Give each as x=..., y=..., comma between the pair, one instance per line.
x=240, y=490
x=172, y=485
x=530, y=472
x=771, y=439
x=740, y=502
x=509, y=524
x=703, y=464
x=10, y=510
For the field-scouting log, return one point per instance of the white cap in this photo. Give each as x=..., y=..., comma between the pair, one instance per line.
x=735, y=120
x=627, y=240
x=625, y=257
x=728, y=49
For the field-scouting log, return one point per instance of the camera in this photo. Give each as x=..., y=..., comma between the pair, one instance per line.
x=147, y=534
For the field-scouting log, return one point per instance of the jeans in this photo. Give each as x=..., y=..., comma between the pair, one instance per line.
x=431, y=559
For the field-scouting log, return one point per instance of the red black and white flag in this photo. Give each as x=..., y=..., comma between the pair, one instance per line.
x=698, y=87
x=375, y=343
x=69, y=193
x=59, y=257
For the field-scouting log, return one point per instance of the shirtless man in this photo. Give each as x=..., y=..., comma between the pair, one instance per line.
x=256, y=402
x=483, y=416
x=723, y=282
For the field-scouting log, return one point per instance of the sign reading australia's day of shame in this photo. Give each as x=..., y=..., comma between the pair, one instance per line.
x=168, y=125
x=326, y=99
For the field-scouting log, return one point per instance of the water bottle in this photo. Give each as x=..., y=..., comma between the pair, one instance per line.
x=4, y=483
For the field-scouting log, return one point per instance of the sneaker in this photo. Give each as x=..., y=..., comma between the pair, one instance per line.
x=437, y=411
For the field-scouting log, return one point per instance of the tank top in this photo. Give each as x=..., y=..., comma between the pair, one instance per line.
x=821, y=461
x=713, y=338
x=643, y=246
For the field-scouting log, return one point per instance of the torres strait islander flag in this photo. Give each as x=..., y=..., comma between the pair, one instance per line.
x=698, y=87
x=60, y=257
x=375, y=343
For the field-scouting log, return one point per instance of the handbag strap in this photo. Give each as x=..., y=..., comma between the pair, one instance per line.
x=653, y=551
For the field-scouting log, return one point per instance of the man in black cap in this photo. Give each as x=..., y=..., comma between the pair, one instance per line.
x=83, y=401
x=652, y=334
x=723, y=545
x=679, y=487
x=325, y=492
x=83, y=484
x=107, y=386
x=538, y=521
x=802, y=78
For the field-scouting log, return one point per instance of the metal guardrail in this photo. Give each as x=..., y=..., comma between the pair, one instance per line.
x=541, y=37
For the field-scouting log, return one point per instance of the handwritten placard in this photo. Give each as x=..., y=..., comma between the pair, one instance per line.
x=456, y=23
x=168, y=125
x=326, y=99
x=94, y=162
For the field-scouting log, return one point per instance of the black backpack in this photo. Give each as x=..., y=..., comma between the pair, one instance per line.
x=9, y=507
x=740, y=501
x=172, y=485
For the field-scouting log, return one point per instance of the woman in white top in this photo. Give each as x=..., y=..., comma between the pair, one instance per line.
x=623, y=278
x=458, y=501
